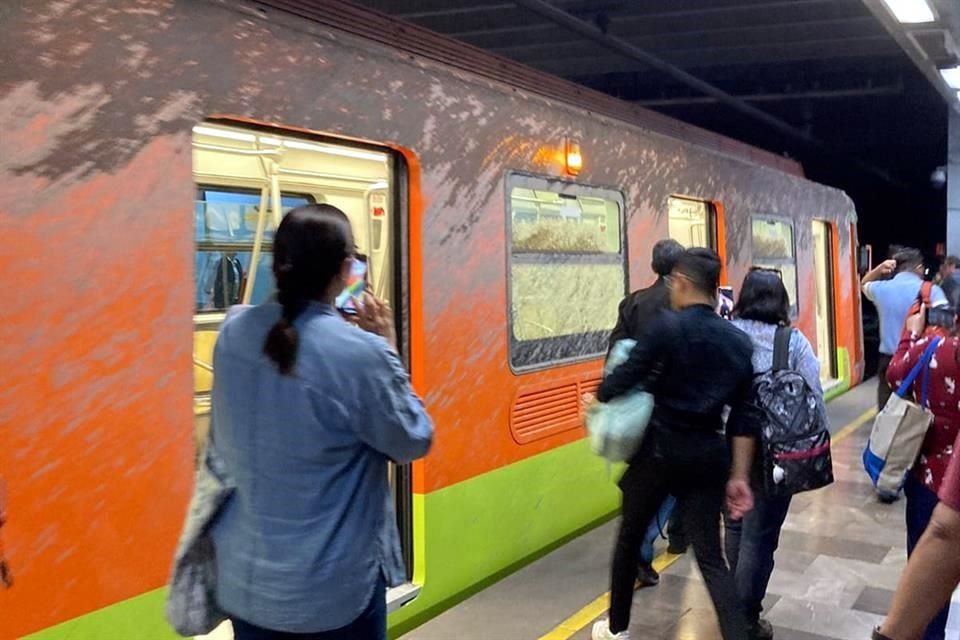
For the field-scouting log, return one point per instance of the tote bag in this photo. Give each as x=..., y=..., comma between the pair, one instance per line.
x=616, y=428
x=191, y=606
x=899, y=430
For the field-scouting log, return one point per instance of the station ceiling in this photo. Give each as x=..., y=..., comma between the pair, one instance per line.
x=863, y=104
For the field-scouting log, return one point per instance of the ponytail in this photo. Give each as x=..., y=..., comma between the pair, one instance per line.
x=310, y=246
x=283, y=340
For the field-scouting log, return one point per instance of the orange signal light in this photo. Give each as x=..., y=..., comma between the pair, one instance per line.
x=574, y=159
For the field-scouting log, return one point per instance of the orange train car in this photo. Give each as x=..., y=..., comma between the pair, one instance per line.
x=150, y=149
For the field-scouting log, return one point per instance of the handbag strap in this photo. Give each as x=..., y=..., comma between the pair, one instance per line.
x=925, y=384
x=917, y=368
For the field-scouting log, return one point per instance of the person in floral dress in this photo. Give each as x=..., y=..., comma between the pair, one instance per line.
x=928, y=472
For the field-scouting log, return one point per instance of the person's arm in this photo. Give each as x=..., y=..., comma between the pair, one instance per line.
x=391, y=418
x=805, y=362
x=909, y=350
x=879, y=272
x=742, y=426
x=644, y=358
x=931, y=575
x=739, y=494
x=937, y=297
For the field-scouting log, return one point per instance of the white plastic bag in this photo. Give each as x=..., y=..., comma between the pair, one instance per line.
x=617, y=428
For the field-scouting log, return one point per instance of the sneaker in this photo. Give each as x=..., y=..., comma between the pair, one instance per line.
x=887, y=497
x=677, y=547
x=648, y=577
x=601, y=631
x=761, y=630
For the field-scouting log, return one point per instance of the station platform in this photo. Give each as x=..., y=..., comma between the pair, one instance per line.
x=841, y=554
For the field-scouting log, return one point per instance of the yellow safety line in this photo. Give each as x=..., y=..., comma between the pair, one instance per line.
x=572, y=625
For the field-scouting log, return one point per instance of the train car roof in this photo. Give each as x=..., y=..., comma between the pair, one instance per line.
x=429, y=45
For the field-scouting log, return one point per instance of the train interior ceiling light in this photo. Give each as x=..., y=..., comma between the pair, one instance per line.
x=230, y=134
x=911, y=11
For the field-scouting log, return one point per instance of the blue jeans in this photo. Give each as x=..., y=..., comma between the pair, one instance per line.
x=750, y=547
x=920, y=505
x=371, y=625
x=658, y=524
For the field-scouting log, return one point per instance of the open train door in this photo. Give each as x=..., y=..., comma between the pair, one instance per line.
x=247, y=177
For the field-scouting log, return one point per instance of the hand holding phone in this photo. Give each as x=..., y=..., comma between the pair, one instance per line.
x=376, y=316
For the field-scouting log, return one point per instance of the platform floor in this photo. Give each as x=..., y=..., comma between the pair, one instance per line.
x=840, y=556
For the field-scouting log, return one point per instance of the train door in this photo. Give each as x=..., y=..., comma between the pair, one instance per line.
x=823, y=278
x=246, y=179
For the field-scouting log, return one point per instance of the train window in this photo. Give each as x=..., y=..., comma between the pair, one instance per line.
x=225, y=222
x=774, y=248
x=567, y=269
x=692, y=223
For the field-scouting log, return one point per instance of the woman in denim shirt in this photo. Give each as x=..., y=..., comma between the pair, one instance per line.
x=307, y=412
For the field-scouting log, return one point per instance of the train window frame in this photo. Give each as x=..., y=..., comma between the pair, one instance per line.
x=778, y=263
x=205, y=316
x=535, y=355
x=712, y=224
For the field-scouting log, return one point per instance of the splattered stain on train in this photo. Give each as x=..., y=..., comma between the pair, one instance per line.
x=151, y=147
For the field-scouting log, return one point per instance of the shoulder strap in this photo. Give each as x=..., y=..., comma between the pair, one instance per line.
x=781, y=348
x=925, y=290
x=920, y=366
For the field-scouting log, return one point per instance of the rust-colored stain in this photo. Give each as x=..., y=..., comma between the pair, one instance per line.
x=97, y=100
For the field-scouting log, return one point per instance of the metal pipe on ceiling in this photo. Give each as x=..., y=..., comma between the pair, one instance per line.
x=859, y=92
x=592, y=32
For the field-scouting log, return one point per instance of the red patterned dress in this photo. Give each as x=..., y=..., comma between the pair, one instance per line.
x=944, y=398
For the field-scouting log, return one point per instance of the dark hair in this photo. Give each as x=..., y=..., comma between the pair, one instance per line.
x=309, y=248
x=665, y=255
x=908, y=259
x=763, y=298
x=702, y=267
x=951, y=261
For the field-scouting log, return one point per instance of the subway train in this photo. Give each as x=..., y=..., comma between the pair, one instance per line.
x=151, y=147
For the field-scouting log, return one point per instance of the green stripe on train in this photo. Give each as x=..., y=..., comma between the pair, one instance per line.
x=468, y=536
x=844, y=374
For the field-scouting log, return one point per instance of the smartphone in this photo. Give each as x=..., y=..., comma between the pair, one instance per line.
x=347, y=300
x=725, y=302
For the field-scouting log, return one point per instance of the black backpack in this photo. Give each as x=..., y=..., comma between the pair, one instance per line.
x=794, y=438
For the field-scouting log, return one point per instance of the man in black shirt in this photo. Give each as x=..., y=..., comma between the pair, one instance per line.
x=695, y=364
x=635, y=316
x=640, y=307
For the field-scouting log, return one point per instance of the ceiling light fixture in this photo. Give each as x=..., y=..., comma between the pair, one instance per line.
x=347, y=152
x=336, y=151
x=911, y=11
x=223, y=133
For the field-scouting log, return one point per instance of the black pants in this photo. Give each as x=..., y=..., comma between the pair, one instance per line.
x=883, y=389
x=693, y=467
